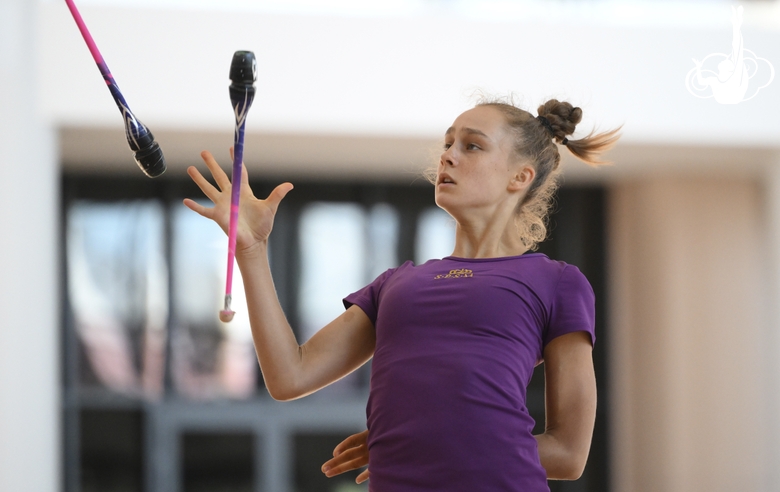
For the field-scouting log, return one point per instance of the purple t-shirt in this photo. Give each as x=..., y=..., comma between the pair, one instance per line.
x=457, y=340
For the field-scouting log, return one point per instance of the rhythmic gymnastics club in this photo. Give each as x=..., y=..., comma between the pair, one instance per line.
x=243, y=73
x=147, y=152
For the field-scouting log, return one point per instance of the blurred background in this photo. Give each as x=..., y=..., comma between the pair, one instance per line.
x=115, y=372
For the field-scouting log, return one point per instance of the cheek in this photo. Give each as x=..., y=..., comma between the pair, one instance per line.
x=489, y=179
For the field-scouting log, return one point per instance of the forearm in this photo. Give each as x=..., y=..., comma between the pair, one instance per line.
x=278, y=351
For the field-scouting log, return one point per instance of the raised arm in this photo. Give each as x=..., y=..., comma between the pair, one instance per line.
x=570, y=406
x=289, y=369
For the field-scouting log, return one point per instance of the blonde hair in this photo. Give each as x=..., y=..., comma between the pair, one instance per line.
x=536, y=143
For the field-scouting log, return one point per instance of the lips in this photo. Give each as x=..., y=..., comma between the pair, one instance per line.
x=445, y=178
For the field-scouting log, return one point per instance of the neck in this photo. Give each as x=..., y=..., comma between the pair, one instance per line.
x=487, y=238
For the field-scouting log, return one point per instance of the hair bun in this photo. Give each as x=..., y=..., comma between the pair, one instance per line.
x=563, y=117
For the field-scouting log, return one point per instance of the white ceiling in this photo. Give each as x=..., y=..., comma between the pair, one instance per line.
x=366, y=97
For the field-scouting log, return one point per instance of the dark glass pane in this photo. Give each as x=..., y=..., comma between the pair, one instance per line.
x=333, y=255
x=210, y=359
x=382, y=230
x=111, y=450
x=128, y=280
x=217, y=462
x=118, y=292
x=343, y=247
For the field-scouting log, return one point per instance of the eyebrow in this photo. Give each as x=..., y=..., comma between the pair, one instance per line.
x=470, y=131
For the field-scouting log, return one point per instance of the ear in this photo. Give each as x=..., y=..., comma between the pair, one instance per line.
x=522, y=179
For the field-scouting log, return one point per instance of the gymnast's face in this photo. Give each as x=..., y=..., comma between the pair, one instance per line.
x=478, y=171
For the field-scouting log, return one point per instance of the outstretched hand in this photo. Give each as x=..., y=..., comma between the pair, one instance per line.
x=256, y=216
x=350, y=454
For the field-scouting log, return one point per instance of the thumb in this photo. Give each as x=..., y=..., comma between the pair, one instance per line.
x=365, y=475
x=276, y=196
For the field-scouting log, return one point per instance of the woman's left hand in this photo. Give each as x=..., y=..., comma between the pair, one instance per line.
x=350, y=454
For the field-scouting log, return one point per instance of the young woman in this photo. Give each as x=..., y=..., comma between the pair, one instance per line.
x=454, y=341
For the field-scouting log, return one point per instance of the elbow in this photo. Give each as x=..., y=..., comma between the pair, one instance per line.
x=562, y=462
x=284, y=384
x=573, y=472
x=572, y=467
x=280, y=395
x=283, y=391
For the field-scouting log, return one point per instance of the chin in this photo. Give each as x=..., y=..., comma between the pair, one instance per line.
x=440, y=202
x=445, y=204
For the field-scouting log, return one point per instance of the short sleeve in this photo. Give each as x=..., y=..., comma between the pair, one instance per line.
x=573, y=307
x=367, y=298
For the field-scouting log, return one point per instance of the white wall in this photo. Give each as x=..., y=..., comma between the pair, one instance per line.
x=29, y=280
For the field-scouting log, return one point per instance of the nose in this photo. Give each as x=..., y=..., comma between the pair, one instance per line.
x=448, y=157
